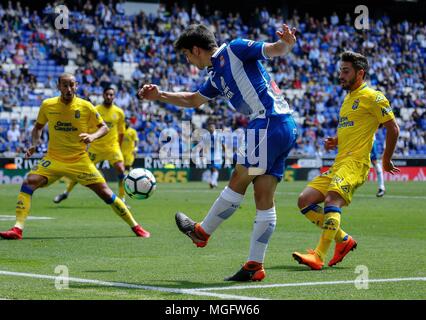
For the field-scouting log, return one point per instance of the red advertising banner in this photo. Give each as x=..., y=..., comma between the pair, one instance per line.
x=406, y=174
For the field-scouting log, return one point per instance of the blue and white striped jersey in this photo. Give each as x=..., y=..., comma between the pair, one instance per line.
x=237, y=74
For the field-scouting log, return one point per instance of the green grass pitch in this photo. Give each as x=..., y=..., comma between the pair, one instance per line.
x=88, y=238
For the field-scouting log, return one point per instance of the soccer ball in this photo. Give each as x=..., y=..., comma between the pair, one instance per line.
x=139, y=183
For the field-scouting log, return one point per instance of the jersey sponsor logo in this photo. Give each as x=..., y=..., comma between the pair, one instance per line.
x=77, y=114
x=226, y=91
x=355, y=105
x=344, y=122
x=64, y=126
x=54, y=113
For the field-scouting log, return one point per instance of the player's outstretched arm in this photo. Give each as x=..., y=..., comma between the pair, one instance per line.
x=181, y=99
x=392, y=134
x=88, y=138
x=284, y=44
x=35, y=139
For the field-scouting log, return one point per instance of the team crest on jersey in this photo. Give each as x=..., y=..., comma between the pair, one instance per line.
x=345, y=188
x=355, y=105
x=379, y=97
x=222, y=61
x=77, y=114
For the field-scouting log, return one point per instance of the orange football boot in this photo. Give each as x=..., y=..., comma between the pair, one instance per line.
x=311, y=259
x=342, y=249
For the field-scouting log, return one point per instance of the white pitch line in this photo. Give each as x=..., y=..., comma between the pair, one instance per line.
x=302, y=284
x=13, y=218
x=130, y=286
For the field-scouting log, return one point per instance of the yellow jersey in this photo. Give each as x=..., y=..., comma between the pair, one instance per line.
x=114, y=119
x=362, y=111
x=66, y=122
x=130, y=137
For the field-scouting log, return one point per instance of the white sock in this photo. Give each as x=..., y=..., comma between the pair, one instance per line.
x=224, y=206
x=263, y=227
x=215, y=176
x=379, y=171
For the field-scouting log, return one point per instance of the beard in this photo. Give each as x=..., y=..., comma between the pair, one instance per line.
x=348, y=84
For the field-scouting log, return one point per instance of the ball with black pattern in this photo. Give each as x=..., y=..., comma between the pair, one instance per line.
x=140, y=184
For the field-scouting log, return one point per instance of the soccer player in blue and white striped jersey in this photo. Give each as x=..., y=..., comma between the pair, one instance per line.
x=236, y=73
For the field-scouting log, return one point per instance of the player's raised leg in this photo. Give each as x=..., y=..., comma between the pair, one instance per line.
x=308, y=203
x=23, y=205
x=225, y=205
x=64, y=195
x=106, y=194
x=332, y=211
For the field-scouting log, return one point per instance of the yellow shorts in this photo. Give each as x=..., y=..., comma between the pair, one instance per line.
x=343, y=177
x=129, y=158
x=83, y=171
x=112, y=156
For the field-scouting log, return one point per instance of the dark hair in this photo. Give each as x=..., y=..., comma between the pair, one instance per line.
x=108, y=88
x=196, y=35
x=359, y=62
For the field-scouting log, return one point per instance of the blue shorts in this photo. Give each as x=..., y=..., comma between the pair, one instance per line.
x=213, y=165
x=374, y=153
x=272, y=144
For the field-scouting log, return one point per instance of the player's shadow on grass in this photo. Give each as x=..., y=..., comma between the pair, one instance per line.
x=78, y=237
x=61, y=206
x=99, y=271
x=300, y=267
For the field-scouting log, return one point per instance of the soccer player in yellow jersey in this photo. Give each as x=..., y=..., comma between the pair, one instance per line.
x=362, y=111
x=129, y=147
x=70, y=119
x=107, y=147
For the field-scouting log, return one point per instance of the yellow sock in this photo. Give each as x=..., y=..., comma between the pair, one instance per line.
x=121, y=189
x=340, y=235
x=330, y=228
x=122, y=211
x=23, y=206
x=71, y=185
x=315, y=214
x=121, y=186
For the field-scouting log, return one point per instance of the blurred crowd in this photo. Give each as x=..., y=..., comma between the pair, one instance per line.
x=101, y=35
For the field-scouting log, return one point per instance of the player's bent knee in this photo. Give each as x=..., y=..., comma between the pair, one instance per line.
x=35, y=181
x=305, y=200
x=102, y=190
